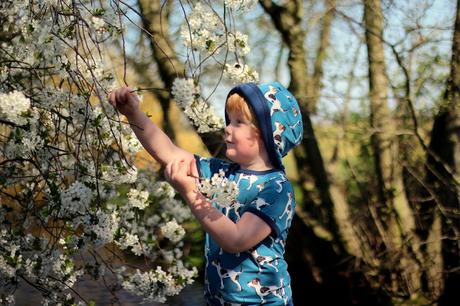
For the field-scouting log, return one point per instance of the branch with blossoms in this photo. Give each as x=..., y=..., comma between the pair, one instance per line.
x=210, y=39
x=68, y=185
x=176, y=55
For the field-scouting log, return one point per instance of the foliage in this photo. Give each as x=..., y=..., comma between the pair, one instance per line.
x=69, y=188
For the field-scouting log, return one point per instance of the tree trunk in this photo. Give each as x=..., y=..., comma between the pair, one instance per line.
x=394, y=215
x=443, y=175
x=288, y=22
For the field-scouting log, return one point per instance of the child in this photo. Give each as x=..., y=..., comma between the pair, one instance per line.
x=244, y=242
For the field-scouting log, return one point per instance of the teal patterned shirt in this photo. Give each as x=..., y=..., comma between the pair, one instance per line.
x=259, y=275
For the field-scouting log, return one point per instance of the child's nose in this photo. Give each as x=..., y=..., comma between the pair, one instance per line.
x=227, y=130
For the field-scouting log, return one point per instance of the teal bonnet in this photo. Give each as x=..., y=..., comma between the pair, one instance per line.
x=278, y=114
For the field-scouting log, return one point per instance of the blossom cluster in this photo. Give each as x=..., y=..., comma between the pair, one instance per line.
x=138, y=198
x=210, y=32
x=206, y=31
x=13, y=107
x=198, y=111
x=241, y=73
x=156, y=285
x=75, y=199
x=30, y=258
x=244, y=5
x=219, y=190
x=173, y=231
x=238, y=42
x=203, y=30
x=185, y=91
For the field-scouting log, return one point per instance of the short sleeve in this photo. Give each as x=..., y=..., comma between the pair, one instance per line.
x=275, y=205
x=208, y=166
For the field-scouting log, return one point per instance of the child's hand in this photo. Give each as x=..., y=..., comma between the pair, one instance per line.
x=182, y=175
x=124, y=100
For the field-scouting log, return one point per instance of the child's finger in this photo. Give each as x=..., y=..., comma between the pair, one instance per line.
x=167, y=171
x=193, y=169
x=118, y=97
x=132, y=96
x=126, y=93
x=173, y=169
x=110, y=99
x=113, y=98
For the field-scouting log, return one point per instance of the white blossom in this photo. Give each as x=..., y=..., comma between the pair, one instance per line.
x=198, y=111
x=172, y=208
x=98, y=23
x=239, y=73
x=138, y=199
x=107, y=224
x=173, y=231
x=163, y=189
x=6, y=269
x=75, y=199
x=244, y=5
x=13, y=106
x=8, y=300
x=120, y=174
x=204, y=30
x=184, y=91
x=238, y=41
x=132, y=143
x=155, y=285
x=219, y=190
x=131, y=241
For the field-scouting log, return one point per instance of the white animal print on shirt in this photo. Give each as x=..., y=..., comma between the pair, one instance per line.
x=288, y=209
x=263, y=260
x=207, y=251
x=260, y=203
x=263, y=291
x=236, y=208
x=260, y=186
x=250, y=177
x=280, y=128
x=293, y=126
x=279, y=183
x=226, y=273
x=276, y=104
x=295, y=111
x=276, y=240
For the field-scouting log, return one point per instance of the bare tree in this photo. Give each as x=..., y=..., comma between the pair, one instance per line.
x=443, y=179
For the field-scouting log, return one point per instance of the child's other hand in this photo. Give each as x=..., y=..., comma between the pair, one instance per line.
x=124, y=100
x=182, y=175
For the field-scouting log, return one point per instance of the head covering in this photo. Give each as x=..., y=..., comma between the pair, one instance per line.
x=278, y=115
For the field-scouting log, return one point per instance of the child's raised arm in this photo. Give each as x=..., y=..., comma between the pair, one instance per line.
x=154, y=140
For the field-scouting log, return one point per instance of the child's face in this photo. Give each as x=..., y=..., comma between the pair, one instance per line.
x=243, y=142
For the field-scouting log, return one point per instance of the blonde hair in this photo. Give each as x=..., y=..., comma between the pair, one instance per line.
x=237, y=104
